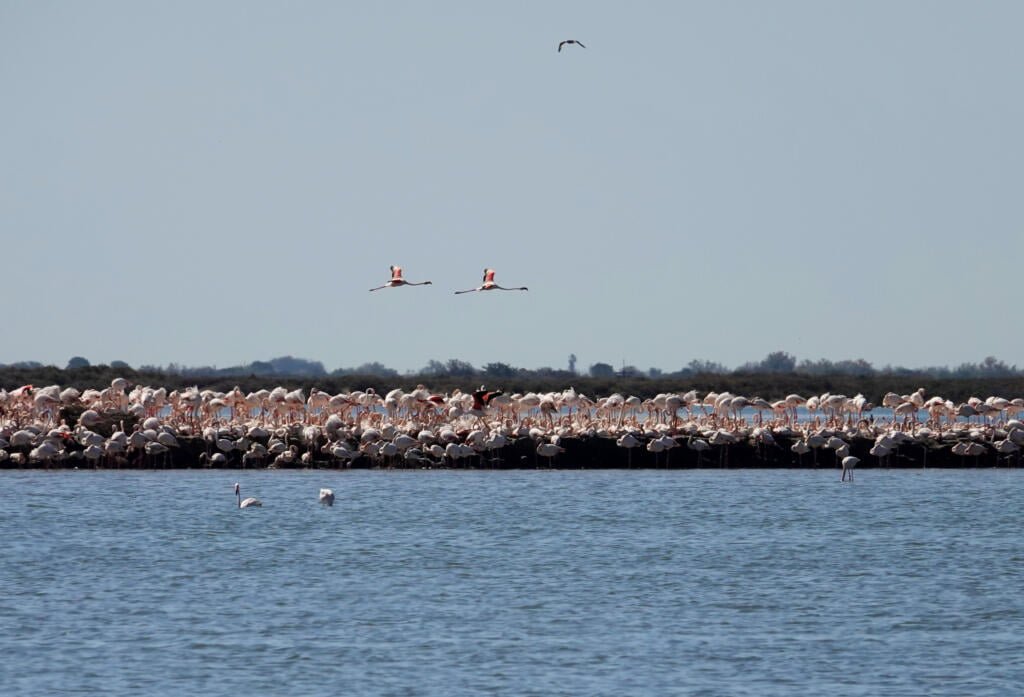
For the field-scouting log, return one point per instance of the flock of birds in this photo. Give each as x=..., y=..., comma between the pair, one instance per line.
x=398, y=280
x=326, y=497
x=420, y=428
x=488, y=281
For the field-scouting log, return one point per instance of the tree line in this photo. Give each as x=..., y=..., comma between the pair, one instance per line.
x=774, y=377
x=775, y=363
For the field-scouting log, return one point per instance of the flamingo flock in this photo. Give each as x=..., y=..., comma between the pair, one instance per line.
x=144, y=426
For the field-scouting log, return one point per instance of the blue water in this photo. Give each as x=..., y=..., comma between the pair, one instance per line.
x=513, y=583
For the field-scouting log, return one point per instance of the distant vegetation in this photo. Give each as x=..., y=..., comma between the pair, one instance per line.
x=777, y=375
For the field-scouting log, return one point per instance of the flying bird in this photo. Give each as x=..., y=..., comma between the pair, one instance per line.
x=489, y=284
x=397, y=280
x=569, y=41
x=482, y=398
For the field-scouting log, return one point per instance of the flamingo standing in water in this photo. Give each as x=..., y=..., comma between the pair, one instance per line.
x=849, y=462
x=246, y=503
x=489, y=284
x=397, y=280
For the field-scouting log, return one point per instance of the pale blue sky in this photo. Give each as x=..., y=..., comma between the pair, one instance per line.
x=221, y=182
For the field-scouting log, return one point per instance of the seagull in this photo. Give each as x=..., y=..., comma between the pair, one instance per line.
x=569, y=41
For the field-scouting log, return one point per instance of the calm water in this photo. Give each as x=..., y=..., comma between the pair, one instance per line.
x=513, y=583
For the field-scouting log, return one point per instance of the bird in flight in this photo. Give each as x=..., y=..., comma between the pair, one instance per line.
x=397, y=280
x=489, y=284
x=569, y=41
x=482, y=397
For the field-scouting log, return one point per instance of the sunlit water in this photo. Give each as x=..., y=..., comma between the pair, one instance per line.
x=514, y=583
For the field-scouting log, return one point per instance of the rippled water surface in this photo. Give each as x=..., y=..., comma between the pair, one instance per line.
x=521, y=582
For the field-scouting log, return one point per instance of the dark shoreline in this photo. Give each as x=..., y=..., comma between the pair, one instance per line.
x=580, y=453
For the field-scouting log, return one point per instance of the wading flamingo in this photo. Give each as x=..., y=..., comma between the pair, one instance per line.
x=397, y=280
x=849, y=462
x=489, y=284
x=549, y=450
x=628, y=441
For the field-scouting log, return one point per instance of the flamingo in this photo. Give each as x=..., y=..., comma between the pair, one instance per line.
x=801, y=448
x=628, y=441
x=849, y=462
x=397, y=280
x=482, y=399
x=488, y=284
x=327, y=497
x=246, y=503
x=549, y=450
x=698, y=445
x=570, y=42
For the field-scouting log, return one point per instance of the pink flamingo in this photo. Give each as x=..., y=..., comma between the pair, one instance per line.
x=489, y=284
x=397, y=280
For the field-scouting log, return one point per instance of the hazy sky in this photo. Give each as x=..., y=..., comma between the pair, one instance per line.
x=221, y=182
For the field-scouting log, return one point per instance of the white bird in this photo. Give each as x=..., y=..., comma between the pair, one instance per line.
x=327, y=497
x=397, y=280
x=628, y=441
x=153, y=449
x=168, y=439
x=45, y=452
x=246, y=503
x=880, y=450
x=849, y=462
x=22, y=438
x=974, y=449
x=489, y=284
x=1005, y=447
x=549, y=450
x=656, y=446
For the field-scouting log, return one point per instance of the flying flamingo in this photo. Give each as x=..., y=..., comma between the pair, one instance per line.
x=246, y=503
x=397, y=280
x=489, y=284
x=482, y=399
